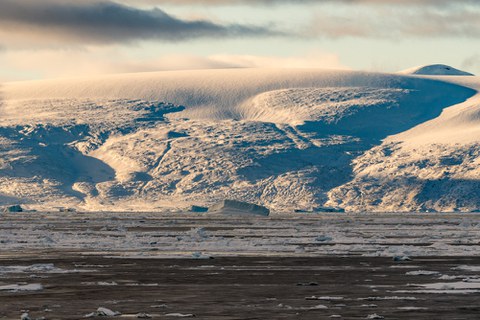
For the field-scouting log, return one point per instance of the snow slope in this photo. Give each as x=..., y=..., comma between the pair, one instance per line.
x=433, y=166
x=436, y=70
x=282, y=138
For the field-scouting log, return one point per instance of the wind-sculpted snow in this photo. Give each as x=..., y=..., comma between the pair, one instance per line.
x=327, y=105
x=285, y=139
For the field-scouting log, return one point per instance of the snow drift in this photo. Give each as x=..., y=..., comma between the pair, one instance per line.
x=286, y=139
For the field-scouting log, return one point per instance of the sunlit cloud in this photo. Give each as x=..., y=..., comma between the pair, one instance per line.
x=58, y=63
x=313, y=60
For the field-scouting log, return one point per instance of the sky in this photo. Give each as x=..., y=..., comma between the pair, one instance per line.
x=70, y=38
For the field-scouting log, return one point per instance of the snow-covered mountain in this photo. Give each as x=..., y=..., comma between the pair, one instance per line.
x=436, y=70
x=284, y=138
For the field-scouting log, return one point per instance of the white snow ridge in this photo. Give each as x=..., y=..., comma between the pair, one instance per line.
x=281, y=138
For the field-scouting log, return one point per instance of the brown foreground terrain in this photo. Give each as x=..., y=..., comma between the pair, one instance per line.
x=342, y=287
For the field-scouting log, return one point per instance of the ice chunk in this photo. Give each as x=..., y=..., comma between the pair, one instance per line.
x=25, y=316
x=20, y=287
x=329, y=209
x=198, y=209
x=318, y=307
x=180, y=315
x=468, y=268
x=422, y=273
x=103, y=312
x=199, y=255
x=323, y=238
x=15, y=208
x=307, y=284
x=238, y=207
x=325, y=298
x=401, y=258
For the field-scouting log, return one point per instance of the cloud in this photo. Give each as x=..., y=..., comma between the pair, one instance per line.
x=73, y=63
x=316, y=59
x=105, y=22
x=279, y=2
x=472, y=63
x=390, y=23
x=60, y=23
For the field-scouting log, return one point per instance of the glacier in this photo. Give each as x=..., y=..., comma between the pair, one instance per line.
x=283, y=138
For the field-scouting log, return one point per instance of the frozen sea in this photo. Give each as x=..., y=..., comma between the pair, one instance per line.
x=308, y=266
x=181, y=234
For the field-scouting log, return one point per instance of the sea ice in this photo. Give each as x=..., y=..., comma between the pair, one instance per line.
x=22, y=287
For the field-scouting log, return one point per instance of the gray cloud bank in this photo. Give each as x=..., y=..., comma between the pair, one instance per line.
x=109, y=22
x=31, y=23
x=279, y=2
